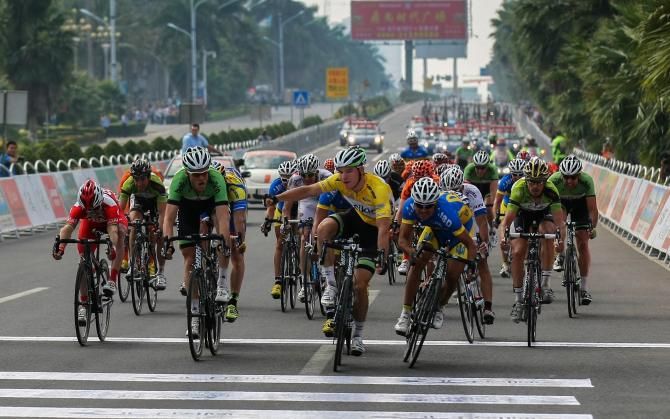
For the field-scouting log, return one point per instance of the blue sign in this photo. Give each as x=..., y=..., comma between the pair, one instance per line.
x=300, y=98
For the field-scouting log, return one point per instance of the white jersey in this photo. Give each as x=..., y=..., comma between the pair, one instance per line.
x=475, y=200
x=307, y=206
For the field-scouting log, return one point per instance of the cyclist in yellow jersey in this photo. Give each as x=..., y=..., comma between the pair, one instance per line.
x=369, y=217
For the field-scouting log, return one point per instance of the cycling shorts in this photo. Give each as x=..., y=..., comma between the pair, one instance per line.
x=350, y=223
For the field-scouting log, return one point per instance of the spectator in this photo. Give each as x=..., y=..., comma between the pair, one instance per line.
x=608, y=150
x=665, y=166
x=195, y=139
x=105, y=122
x=11, y=155
x=559, y=147
x=264, y=137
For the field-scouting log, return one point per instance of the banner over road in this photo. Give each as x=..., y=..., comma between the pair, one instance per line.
x=386, y=20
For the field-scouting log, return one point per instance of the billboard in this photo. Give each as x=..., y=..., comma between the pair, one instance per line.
x=393, y=20
x=441, y=50
x=337, y=82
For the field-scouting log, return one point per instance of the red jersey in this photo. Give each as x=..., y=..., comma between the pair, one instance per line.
x=107, y=213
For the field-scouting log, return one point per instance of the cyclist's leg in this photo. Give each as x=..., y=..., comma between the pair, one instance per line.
x=121, y=239
x=134, y=214
x=328, y=229
x=519, y=251
x=188, y=222
x=582, y=238
x=547, y=251
x=454, y=270
x=362, y=275
x=86, y=231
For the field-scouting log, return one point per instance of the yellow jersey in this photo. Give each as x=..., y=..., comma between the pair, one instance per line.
x=371, y=203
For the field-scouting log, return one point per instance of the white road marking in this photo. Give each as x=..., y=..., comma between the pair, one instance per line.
x=22, y=294
x=286, y=396
x=319, y=360
x=378, y=157
x=294, y=379
x=372, y=294
x=99, y=412
x=249, y=341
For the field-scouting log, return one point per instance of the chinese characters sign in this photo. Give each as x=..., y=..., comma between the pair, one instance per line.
x=337, y=82
x=385, y=20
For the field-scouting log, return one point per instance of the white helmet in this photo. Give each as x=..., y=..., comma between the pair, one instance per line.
x=394, y=157
x=516, y=167
x=308, y=163
x=411, y=136
x=425, y=191
x=451, y=179
x=570, y=166
x=350, y=157
x=382, y=168
x=285, y=168
x=196, y=159
x=481, y=158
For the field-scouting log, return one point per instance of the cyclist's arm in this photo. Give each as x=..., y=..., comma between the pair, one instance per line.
x=493, y=187
x=465, y=238
x=161, y=214
x=483, y=224
x=301, y=192
x=286, y=211
x=398, y=214
x=240, y=222
x=510, y=214
x=383, y=232
x=498, y=201
x=113, y=232
x=66, y=231
x=592, y=206
x=223, y=222
x=123, y=202
x=405, y=237
x=169, y=219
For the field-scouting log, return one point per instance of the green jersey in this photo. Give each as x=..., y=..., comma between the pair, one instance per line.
x=155, y=189
x=583, y=189
x=181, y=189
x=464, y=153
x=559, y=148
x=520, y=198
x=490, y=174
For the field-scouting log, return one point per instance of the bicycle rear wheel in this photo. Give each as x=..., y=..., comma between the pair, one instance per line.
x=293, y=281
x=137, y=273
x=103, y=313
x=82, y=298
x=467, y=307
x=532, y=300
x=308, y=288
x=341, y=322
x=478, y=312
x=318, y=288
x=123, y=285
x=197, y=342
x=390, y=263
x=151, y=291
x=285, y=276
x=214, y=316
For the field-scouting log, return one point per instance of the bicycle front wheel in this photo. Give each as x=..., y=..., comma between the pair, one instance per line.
x=137, y=273
x=195, y=310
x=308, y=288
x=103, y=314
x=341, y=319
x=151, y=291
x=467, y=307
x=293, y=281
x=285, y=276
x=123, y=284
x=82, y=298
x=423, y=318
x=478, y=313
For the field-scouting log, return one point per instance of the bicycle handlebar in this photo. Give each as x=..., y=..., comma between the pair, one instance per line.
x=196, y=237
x=547, y=236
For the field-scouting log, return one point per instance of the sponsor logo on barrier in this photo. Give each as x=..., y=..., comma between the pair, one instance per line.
x=21, y=219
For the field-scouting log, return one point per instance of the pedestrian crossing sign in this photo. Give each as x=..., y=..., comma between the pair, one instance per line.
x=300, y=98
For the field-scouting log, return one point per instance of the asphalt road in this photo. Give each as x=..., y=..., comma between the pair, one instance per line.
x=611, y=361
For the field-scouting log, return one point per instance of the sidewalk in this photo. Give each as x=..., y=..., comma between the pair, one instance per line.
x=283, y=113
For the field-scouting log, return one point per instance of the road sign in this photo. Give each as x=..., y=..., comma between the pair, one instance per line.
x=300, y=98
x=337, y=82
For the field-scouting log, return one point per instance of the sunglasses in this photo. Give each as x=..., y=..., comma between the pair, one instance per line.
x=198, y=174
x=307, y=175
x=141, y=177
x=424, y=206
x=572, y=177
x=536, y=182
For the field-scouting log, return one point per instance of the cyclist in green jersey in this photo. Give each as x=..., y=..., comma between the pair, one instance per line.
x=197, y=191
x=484, y=176
x=578, y=197
x=559, y=147
x=464, y=153
x=145, y=192
x=533, y=199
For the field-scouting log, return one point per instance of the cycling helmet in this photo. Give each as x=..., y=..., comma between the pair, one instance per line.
x=440, y=158
x=442, y=167
x=412, y=137
x=570, y=166
x=285, y=168
x=196, y=159
x=523, y=155
x=329, y=164
x=481, y=158
x=216, y=165
x=516, y=167
x=536, y=169
x=90, y=194
x=350, y=157
x=452, y=179
x=422, y=168
x=140, y=167
x=398, y=166
x=382, y=169
x=425, y=191
x=308, y=163
x=395, y=157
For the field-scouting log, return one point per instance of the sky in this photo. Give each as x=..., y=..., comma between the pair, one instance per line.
x=479, y=46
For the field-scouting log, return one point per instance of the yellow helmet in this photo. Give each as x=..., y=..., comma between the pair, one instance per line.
x=536, y=169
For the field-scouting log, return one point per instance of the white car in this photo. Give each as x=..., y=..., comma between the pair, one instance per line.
x=259, y=168
x=176, y=164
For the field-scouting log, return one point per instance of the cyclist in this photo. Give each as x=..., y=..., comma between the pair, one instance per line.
x=369, y=217
x=516, y=167
x=397, y=164
x=237, y=196
x=414, y=150
x=501, y=155
x=98, y=210
x=484, y=176
x=309, y=173
x=440, y=159
x=578, y=198
x=329, y=164
x=197, y=191
x=274, y=211
x=448, y=223
x=533, y=199
x=530, y=146
x=523, y=155
x=383, y=170
x=145, y=192
x=559, y=147
x=464, y=153
x=452, y=180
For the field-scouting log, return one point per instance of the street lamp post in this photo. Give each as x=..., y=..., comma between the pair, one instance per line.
x=280, y=45
x=112, y=34
x=205, y=54
x=192, y=36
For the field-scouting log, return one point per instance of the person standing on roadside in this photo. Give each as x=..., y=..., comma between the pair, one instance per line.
x=195, y=139
x=9, y=157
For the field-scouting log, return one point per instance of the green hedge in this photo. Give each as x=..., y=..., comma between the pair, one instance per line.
x=133, y=129
x=311, y=121
x=370, y=108
x=409, y=96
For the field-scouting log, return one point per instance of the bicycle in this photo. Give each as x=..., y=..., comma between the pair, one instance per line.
x=202, y=292
x=570, y=270
x=311, y=279
x=139, y=280
x=394, y=257
x=471, y=302
x=350, y=251
x=123, y=287
x=532, y=280
x=290, y=259
x=92, y=274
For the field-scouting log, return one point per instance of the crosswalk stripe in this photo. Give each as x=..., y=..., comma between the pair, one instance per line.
x=295, y=379
x=283, y=396
x=113, y=413
x=368, y=342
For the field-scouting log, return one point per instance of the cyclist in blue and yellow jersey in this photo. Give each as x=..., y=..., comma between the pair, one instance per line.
x=274, y=210
x=237, y=196
x=448, y=223
x=369, y=218
x=502, y=199
x=533, y=200
x=413, y=151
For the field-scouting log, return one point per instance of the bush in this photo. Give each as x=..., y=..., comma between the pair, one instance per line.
x=144, y=147
x=94, y=151
x=114, y=148
x=48, y=150
x=72, y=150
x=160, y=144
x=130, y=130
x=175, y=144
x=131, y=147
x=409, y=96
x=311, y=121
x=346, y=110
